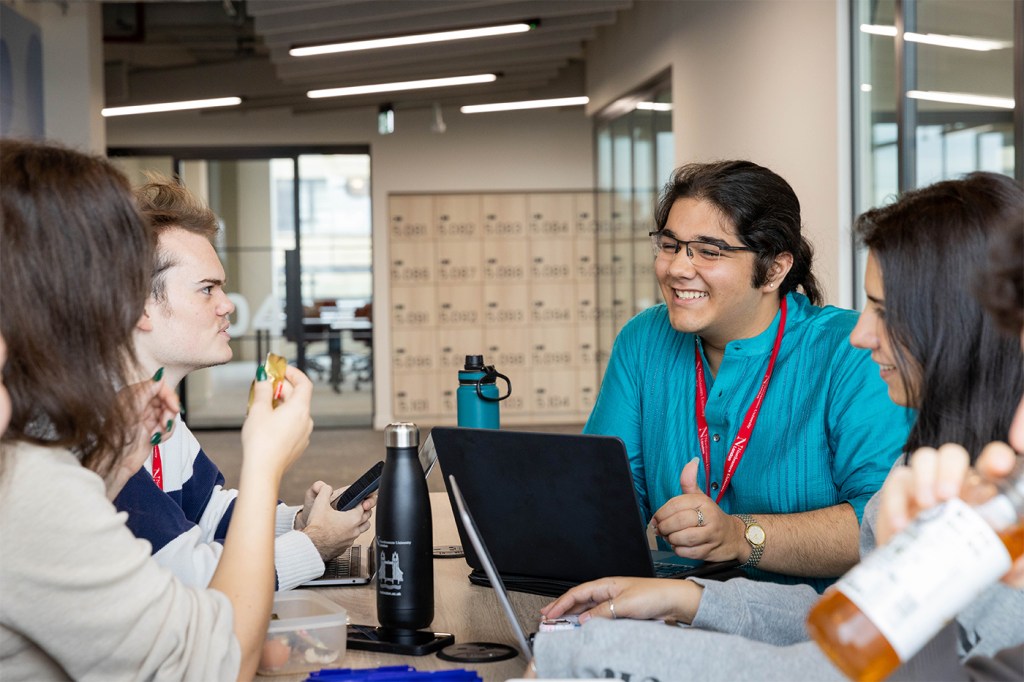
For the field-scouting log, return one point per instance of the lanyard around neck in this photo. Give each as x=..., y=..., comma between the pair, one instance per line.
x=739, y=445
x=158, y=468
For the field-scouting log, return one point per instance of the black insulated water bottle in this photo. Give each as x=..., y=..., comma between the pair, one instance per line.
x=405, y=568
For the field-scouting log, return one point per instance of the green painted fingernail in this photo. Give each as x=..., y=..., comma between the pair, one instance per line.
x=170, y=423
x=159, y=374
x=261, y=373
x=155, y=440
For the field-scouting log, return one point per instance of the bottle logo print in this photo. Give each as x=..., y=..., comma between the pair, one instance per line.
x=390, y=574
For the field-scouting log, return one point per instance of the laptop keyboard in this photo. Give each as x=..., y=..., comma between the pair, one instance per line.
x=667, y=569
x=344, y=565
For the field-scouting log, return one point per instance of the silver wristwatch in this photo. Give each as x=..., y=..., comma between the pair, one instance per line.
x=754, y=535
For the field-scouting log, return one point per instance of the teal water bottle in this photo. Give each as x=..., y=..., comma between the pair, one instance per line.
x=478, y=395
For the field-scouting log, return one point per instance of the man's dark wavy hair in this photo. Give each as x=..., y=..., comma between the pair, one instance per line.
x=760, y=205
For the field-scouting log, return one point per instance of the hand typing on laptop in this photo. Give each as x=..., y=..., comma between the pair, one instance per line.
x=639, y=598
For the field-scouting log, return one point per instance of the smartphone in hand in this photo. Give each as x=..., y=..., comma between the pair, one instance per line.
x=363, y=486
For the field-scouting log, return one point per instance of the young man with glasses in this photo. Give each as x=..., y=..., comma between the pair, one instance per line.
x=755, y=431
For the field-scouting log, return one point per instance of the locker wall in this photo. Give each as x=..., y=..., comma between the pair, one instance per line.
x=512, y=276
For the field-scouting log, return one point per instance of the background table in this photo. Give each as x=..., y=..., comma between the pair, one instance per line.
x=469, y=612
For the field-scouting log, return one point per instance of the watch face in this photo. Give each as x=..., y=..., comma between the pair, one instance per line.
x=755, y=535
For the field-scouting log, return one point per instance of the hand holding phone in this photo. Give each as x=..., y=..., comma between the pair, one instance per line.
x=363, y=486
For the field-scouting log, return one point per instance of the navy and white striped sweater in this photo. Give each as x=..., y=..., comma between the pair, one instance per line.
x=187, y=521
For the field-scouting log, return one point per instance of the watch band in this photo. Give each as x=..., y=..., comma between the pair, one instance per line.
x=756, y=550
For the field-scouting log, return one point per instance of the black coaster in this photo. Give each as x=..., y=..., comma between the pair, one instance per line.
x=406, y=642
x=477, y=652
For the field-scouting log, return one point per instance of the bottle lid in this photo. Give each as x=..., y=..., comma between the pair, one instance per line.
x=402, y=435
x=474, y=362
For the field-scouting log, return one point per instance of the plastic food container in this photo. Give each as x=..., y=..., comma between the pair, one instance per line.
x=307, y=632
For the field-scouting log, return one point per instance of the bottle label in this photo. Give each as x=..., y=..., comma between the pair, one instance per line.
x=390, y=573
x=911, y=587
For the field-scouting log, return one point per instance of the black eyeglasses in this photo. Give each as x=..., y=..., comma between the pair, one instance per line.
x=701, y=254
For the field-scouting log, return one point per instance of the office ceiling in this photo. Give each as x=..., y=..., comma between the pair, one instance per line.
x=168, y=51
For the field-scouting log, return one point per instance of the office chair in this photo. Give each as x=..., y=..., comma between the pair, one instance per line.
x=362, y=367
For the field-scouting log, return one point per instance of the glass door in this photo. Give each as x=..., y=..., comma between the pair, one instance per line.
x=295, y=227
x=937, y=95
x=635, y=157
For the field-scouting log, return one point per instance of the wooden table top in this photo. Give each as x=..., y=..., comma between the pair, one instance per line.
x=469, y=612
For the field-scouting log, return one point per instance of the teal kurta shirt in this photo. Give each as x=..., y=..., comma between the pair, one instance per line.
x=827, y=431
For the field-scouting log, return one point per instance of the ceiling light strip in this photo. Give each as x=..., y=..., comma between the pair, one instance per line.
x=398, y=41
x=962, y=98
x=530, y=104
x=877, y=30
x=654, y=106
x=404, y=85
x=959, y=42
x=171, y=106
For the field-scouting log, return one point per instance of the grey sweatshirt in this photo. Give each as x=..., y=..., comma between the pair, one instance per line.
x=749, y=630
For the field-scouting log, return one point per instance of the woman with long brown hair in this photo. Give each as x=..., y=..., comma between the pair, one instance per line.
x=81, y=597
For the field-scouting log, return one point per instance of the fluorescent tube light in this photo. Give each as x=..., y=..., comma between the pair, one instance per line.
x=171, y=106
x=441, y=36
x=654, y=106
x=866, y=87
x=962, y=98
x=404, y=85
x=877, y=30
x=959, y=42
x=529, y=104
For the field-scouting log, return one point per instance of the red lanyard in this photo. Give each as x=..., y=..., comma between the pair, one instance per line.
x=739, y=445
x=158, y=468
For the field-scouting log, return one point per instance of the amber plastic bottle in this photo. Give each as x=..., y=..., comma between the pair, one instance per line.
x=890, y=605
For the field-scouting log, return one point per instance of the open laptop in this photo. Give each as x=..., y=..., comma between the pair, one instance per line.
x=357, y=565
x=559, y=509
x=477, y=542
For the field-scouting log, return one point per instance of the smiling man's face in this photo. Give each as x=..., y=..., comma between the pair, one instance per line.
x=717, y=303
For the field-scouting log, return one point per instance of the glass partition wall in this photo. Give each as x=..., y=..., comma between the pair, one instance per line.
x=937, y=93
x=635, y=156
x=295, y=225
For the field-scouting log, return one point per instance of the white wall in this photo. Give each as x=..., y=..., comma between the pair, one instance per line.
x=754, y=79
x=530, y=150
x=72, y=37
